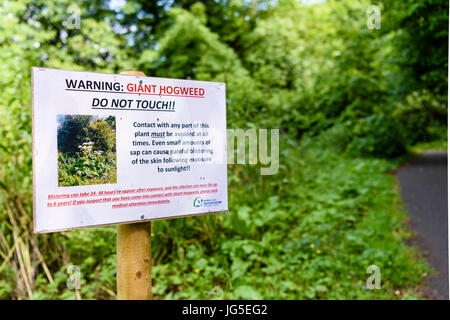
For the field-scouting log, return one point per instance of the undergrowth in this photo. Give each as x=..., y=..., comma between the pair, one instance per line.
x=309, y=232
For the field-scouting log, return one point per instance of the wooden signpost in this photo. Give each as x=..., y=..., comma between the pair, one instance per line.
x=134, y=256
x=124, y=150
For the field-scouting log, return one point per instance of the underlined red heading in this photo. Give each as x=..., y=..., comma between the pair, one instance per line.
x=177, y=91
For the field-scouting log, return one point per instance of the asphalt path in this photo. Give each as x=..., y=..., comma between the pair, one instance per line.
x=423, y=186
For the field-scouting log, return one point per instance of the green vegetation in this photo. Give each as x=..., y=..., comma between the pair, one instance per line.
x=349, y=102
x=86, y=150
x=90, y=167
x=433, y=145
x=309, y=233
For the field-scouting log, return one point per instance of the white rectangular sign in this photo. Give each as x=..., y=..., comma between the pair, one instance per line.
x=113, y=148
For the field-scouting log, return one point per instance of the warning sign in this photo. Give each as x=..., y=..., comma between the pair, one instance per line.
x=113, y=148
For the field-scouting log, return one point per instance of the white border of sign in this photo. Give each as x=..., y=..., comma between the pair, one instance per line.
x=33, y=69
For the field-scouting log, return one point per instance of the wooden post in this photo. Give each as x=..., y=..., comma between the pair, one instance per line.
x=134, y=280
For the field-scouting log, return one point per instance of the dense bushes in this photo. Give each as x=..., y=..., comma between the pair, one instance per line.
x=74, y=130
x=378, y=135
x=422, y=116
x=90, y=167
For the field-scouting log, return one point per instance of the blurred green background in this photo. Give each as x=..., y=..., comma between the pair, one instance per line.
x=350, y=103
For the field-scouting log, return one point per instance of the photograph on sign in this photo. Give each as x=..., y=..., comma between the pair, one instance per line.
x=111, y=149
x=86, y=150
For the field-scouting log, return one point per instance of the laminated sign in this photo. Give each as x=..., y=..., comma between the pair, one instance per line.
x=111, y=149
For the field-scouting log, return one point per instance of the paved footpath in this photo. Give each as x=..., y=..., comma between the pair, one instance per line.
x=423, y=186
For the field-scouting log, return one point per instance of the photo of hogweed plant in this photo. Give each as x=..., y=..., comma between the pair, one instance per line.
x=86, y=150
